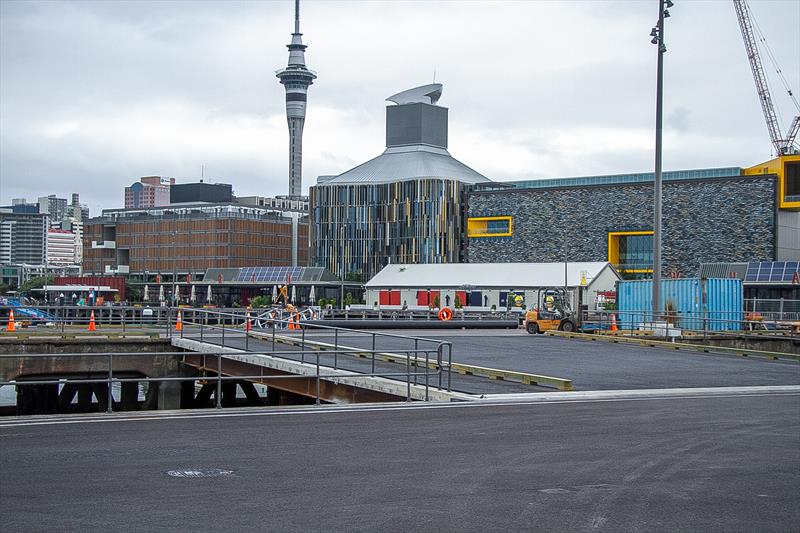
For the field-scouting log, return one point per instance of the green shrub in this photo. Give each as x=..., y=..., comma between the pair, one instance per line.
x=260, y=301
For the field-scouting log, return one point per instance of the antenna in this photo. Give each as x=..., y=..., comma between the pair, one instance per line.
x=434, y=75
x=297, y=16
x=202, y=172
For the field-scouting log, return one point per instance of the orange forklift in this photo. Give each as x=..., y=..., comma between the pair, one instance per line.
x=552, y=312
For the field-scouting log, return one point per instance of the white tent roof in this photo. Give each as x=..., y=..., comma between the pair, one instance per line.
x=79, y=288
x=485, y=275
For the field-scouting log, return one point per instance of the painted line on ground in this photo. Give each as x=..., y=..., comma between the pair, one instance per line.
x=743, y=352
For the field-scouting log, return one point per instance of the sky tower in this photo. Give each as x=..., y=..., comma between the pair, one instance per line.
x=296, y=78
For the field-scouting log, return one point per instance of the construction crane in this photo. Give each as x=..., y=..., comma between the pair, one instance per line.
x=783, y=144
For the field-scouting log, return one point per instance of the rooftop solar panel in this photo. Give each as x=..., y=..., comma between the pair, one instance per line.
x=270, y=274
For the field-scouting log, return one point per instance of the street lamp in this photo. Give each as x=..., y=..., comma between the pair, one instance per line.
x=174, y=268
x=657, y=34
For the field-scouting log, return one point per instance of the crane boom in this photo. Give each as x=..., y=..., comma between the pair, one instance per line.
x=782, y=145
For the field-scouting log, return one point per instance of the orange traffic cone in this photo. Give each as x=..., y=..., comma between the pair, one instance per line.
x=249, y=324
x=297, y=321
x=11, y=326
x=179, y=322
x=92, y=326
x=613, y=322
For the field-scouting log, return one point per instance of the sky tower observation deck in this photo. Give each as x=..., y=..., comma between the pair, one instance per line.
x=296, y=78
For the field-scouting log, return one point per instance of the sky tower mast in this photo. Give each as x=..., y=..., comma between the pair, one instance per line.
x=296, y=78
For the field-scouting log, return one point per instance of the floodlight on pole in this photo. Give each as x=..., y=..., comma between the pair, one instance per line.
x=658, y=40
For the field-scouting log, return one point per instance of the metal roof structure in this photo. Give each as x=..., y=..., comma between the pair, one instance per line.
x=416, y=144
x=487, y=275
x=401, y=163
x=269, y=275
x=426, y=94
x=77, y=288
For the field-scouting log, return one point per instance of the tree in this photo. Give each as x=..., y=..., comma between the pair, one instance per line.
x=348, y=299
x=36, y=283
x=457, y=302
x=133, y=293
x=260, y=301
x=354, y=275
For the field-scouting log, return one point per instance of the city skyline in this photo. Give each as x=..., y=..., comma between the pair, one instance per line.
x=153, y=94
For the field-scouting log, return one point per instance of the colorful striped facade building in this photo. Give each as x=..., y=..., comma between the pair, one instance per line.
x=404, y=206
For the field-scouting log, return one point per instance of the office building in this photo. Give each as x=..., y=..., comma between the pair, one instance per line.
x=23, y=238
x=187, y=239
x=149, y=191
x=187, y=193
x=61, y=249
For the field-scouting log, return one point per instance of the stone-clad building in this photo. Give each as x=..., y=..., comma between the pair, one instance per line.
x=709, y=215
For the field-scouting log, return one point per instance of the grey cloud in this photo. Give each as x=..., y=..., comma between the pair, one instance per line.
x=95, y=94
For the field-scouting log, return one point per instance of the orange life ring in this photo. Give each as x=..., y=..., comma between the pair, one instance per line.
x=445, y=314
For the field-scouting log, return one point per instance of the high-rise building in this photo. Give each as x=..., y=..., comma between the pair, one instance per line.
x=76, y=209
x=53, y=206
x=296, y=78
x=60, y=248
x=149, y=191
x=23, y=238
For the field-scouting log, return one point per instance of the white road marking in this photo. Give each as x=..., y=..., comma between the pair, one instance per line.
x=582, y=397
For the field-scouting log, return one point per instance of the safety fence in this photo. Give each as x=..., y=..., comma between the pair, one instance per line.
x=269, y=333
x=246, y=329
x=683, y=323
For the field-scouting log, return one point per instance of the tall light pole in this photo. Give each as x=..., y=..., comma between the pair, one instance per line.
x=175, y=267
x=657, y=35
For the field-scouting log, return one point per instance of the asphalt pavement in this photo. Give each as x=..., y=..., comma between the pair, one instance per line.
x=594, y=365
x=652, y=464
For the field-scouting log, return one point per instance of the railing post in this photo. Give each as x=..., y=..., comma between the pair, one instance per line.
x=408, y=377
x=201, y=331
x=335, y=348
x=439, y=362
x=427, y=370
x=124, y=312
x=273, y=334
x=373, y=353
x=219, y=379
x=416, y=359
x=223, y=333
x=318, y=402
x=449, y=364
x=302, y=342
x=110, y=407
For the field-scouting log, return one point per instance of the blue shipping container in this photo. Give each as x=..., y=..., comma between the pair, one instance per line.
x=688, y=302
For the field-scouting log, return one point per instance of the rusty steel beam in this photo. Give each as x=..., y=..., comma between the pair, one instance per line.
x=302, y=385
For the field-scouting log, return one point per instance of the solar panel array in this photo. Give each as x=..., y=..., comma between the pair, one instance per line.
x=774, y=271
x=270, y=274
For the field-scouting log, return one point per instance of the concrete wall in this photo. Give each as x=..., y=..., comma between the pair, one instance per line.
x=710, y=220
x=788, y=241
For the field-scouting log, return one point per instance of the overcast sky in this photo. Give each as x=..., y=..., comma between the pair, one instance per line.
x=94, y=95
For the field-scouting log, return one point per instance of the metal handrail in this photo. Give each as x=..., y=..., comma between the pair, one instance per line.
x=218, y=355
x=440, y=345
